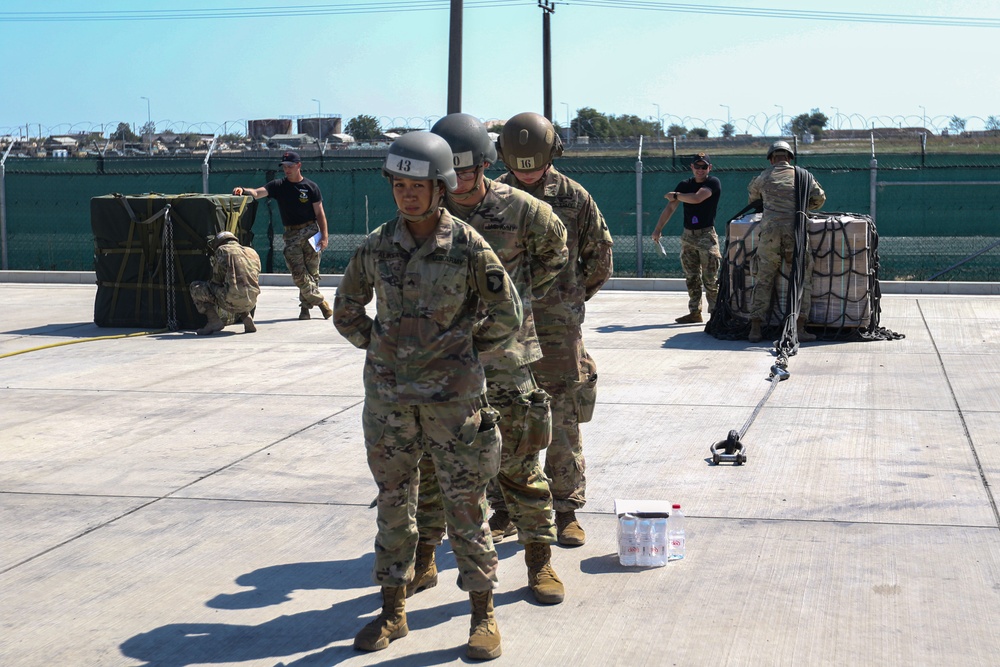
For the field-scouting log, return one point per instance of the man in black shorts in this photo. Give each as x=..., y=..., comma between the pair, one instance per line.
x=700, y=256
x=301, y=205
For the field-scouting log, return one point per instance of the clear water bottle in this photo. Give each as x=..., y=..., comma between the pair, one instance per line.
x=628, y=540
x=645, y=542
x=675, y=534
x=658, y=543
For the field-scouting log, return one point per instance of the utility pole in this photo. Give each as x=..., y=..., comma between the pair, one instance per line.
x=455, y=58
x=149, y=121
x=547, y=7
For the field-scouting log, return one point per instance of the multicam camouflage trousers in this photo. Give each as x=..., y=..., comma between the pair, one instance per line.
x=303, y=263
x=525, y=428
x=396, y=436
x=776, y=245
x=700, y=260
x=207, y=295
x=573, y=399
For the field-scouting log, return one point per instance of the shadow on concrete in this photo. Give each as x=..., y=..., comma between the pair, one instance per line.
x=183, y=644
x=275, y=584
x=66, y=329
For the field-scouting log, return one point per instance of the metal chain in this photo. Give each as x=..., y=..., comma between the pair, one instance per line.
x=168, y=249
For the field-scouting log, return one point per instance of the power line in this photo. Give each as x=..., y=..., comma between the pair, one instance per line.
x=805, y=15
x=389, y=6
x=325, y=9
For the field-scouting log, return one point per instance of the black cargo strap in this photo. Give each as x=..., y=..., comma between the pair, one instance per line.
x=166, y=257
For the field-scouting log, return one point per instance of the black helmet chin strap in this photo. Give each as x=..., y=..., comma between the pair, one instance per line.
x=435, y=204
x=474, y=192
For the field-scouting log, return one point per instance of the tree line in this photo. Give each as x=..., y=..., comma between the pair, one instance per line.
x=589, y=122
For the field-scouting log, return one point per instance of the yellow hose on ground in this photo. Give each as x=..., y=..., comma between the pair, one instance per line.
x=82, y=340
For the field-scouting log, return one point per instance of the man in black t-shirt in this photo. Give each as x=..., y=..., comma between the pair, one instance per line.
x=700, y=256
x=301, y=206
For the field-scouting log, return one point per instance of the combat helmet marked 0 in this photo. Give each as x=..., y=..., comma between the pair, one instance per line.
x=422, y=156
x=529, y=142
x=469, y=139
x=780, y=146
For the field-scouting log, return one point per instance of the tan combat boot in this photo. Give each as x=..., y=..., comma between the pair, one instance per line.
x=304, y=313
x=426, y=572
x=484, y=637
x=501, y=525
x=214, y=323
x=570, y=532
x=755, y=334
x=690, y=318
x=326, y=310
x=542, y=578
x=248, y=325
x=800, y=330
x=389, y=625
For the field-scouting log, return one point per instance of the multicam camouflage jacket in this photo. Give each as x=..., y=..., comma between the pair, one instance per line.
x=424, y=342
x=776, y=186
x=237, y=267
x=587, y=238
x=530, y=240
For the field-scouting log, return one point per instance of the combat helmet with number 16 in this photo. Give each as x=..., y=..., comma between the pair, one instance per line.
x=529, y=142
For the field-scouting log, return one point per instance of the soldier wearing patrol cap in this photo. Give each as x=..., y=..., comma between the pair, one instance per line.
x=700, y=255
x=233, y=287
x=531, y=242
x=527, y=144
x=442, y=299
x=776, y=187
x=300, y=203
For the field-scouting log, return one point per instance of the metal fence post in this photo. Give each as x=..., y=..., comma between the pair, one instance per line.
x=638, y=212
x=873, y=181
x=873, y=186
x=3, y=205
x=204, y=166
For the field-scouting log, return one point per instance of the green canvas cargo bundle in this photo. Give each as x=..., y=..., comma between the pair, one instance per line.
x=148, y=248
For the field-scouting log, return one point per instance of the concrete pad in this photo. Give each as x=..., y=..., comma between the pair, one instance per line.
x=172, y=500
x=803, y=465
x=325, y=463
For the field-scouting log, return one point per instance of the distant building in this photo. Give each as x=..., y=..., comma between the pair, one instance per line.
x=340, y=139
x=320, y=127
x=267, y=127
x=290, y=140
x=880, y=133
x=61, y=143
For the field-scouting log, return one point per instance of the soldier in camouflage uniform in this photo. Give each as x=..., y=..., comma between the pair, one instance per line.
x=300, y=203
x=531, y=242
x=700, y=256
x=528, y=144
x=776, y=187
x=233, y=287
x=442, y=299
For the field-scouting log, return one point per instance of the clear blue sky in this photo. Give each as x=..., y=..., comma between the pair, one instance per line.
x=760, y=58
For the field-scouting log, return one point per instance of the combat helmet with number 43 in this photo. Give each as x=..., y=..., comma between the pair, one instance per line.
x=422, y=156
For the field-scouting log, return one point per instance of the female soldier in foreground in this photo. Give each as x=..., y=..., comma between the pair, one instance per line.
x=424, y=384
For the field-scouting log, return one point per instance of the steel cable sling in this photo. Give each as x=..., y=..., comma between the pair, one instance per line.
x=732, y=450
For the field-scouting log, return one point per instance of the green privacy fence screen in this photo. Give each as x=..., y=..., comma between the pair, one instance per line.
x=932, y=211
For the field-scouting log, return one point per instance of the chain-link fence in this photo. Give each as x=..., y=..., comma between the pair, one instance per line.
x=938, y=216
